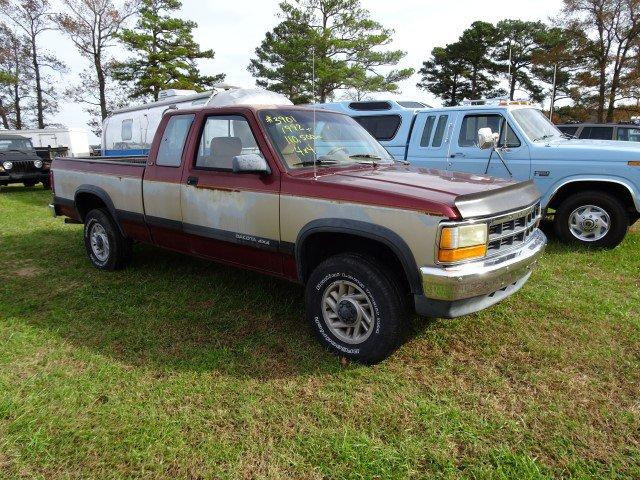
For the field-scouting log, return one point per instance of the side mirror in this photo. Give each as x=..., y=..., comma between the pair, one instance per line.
x=486, y=138
x=250, y=163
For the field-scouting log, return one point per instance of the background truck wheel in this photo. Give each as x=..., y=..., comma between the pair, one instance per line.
x=591, y=218
x=106, y=247
x=46, y=184
x=29, y=184
x=356, y=308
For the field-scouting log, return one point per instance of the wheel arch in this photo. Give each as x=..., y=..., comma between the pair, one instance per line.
x=616, y=187
x=338, y=230
x=88, y=197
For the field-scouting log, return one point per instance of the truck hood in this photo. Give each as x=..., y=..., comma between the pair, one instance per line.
x=452, y=194
x=598, y=150
x=18, y=156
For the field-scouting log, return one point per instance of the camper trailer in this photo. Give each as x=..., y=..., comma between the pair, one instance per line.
x=67, y=142
x=130, y=131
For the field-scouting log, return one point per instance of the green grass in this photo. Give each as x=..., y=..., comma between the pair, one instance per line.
x=179, y=368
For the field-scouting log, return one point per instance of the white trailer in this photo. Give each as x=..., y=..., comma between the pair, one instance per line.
x=130, y=131
x=75, y=140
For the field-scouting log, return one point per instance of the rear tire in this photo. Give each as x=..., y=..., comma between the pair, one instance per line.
x=106, y=247
x=593, y=219
x=356, y=308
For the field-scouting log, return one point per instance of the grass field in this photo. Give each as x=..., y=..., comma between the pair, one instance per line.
x=178, y=368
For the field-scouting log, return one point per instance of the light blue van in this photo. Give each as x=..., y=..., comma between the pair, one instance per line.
x=590, y=187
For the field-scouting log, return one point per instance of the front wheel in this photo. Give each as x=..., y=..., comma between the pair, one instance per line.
x=106, y=247
x=355, y=307
x=29, y=183
x=591, y=218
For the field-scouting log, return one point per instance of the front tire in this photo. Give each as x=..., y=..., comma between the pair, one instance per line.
x=106, y=247
x=591, y=218
x=356, y=308
x=29, y=184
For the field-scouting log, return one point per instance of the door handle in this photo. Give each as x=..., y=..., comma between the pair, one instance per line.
x=193, y=181
x=457, y=154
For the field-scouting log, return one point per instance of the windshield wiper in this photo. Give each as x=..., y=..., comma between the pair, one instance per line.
x=319, y=162
x=543, y=137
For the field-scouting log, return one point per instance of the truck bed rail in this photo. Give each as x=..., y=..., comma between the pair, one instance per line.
x=136, y=160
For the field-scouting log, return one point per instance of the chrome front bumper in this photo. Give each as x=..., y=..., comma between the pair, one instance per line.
x=485, y=277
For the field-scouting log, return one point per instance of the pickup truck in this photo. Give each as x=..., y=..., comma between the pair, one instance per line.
x=591, y=188
x=20, y=163
x=311, y=197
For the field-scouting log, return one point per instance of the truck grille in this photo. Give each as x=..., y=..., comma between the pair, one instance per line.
x=513, y=229
x=23, y=166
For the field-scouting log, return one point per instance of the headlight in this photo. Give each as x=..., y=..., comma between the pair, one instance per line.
x=462, y=243
x=37, y=163
x=7, y=165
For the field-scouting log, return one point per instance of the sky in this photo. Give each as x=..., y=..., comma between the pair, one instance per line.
x=233, y=29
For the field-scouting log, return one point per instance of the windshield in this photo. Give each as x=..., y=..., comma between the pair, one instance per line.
x=535, y=125
x=329, y=139
x=15, y=144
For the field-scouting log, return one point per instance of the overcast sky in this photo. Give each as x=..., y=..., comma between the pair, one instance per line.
x=234, y=28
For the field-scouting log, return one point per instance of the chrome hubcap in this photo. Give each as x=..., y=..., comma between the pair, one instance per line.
x=348, y=312
x=99, y=242
x=589, y=223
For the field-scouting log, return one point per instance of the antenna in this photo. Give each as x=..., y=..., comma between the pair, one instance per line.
x=510, y=77
x=313, y=90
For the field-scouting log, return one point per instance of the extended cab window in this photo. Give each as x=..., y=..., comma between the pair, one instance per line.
x=629, y=134
x=426, y=133
x=440, y=128
x=472, y=123
x=173, y=140
x=597, y=133
x=381, y=127
x=224, y=137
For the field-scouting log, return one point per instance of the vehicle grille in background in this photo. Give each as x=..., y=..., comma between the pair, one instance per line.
x=23, y=166
x=512, y=229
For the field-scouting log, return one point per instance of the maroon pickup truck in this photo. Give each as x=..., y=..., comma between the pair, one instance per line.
x=311, y=197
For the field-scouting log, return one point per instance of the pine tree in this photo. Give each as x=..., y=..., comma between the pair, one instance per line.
x=165, y=53
x=345, y=42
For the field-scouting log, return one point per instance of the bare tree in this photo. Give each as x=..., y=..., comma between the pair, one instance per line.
x=613, y=31
x=32, y=18
x=93, y=27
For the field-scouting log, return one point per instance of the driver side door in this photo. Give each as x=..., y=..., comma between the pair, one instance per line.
x=466, y=156
x=231, y=217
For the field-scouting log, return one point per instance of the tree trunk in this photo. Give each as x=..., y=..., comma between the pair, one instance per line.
x=101, y=86
x=602, y=92
x=512, y=84
x=36, y=71
x=16, y=106
x=3, y=115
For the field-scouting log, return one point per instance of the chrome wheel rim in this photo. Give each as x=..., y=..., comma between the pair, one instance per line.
x=589, y=223
x=99, y=242
x=348, y=312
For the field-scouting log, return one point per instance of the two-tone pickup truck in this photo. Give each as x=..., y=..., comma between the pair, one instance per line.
x=311, y=197
x=591, y=187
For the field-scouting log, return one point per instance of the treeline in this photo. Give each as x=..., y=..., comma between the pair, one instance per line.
x=161, y=53
x=319, y=50
x=592, y=48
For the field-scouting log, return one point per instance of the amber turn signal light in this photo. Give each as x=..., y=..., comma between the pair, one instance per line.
x=460, y=254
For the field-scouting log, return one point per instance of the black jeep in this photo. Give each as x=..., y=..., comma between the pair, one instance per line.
x=19, y=162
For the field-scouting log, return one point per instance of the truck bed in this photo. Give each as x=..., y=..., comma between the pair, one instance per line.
x=118, y=180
